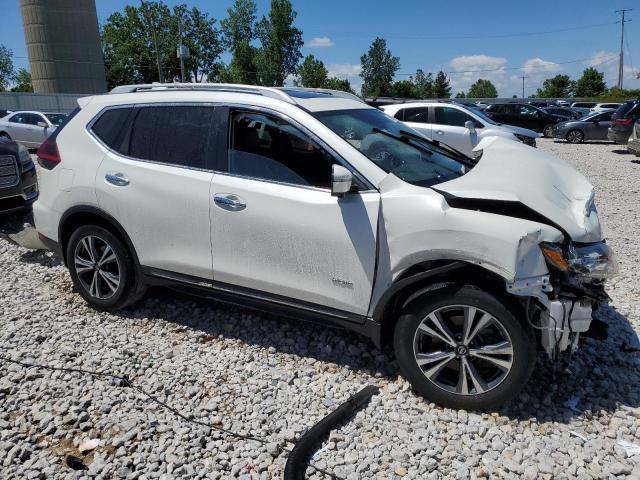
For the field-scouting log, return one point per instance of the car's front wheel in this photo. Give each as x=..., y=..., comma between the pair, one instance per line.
x=575, y=136
x=547, y=131
x=461, y=347
x=102, y=269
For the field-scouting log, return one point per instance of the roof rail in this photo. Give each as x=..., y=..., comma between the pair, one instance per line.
x=326, y=91
x=211, y=87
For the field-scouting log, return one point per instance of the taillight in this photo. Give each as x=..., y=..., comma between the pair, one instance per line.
x=48, y=154
x=623, y=121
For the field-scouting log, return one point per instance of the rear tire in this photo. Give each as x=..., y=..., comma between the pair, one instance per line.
x=482, y=368
x=102, y=269
x=547, y=131
x=575, y=136
x=5, y=135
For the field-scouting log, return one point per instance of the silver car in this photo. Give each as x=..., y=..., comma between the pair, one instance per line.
x=30, y=128
x=591, y=127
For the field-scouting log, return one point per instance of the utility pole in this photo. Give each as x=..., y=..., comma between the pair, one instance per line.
x=180, y=48
x=155, y=43
x=621, y=63
x=523, y=77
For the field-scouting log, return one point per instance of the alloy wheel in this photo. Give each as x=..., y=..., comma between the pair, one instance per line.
x=574, y=136
x=97, y=267
x=548, y=131
x=463, y=349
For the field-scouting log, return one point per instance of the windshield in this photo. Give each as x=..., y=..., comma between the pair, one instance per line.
x=393, y=146
x=56, y=118
x=483, y=116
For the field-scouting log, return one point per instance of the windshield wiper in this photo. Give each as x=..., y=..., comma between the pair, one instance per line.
x=456, y=153
x=402, y=138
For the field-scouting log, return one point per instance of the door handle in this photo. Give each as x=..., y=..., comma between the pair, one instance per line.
x=116, y=178
x=439, y=132
x=229, y=201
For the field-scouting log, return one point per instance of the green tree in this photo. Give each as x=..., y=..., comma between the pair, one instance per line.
x=312, y=73
x=441, y=87
x=560, y=86
x=424, y=84
x=281, y=42
x=239, y=29
x=334, y=83
x=460, y=94
x=23, y=81
x=591, y=83
x=404, y=89
x=6, y=67
x=378, y=68
x=482, y=89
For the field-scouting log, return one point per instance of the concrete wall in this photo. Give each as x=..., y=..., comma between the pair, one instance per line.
x=63, y=44
x=37, y=101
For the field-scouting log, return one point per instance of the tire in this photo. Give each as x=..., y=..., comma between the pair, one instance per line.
x=5, y=135
x=547, y=131
x=110, y=285
x=575, y=136
x=493, y=323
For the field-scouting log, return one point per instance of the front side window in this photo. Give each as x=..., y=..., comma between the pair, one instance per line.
x=393, y=146
x=173, y=134
x=528, y=111
x=452, y=116
x=56, y=118
x=266, y=147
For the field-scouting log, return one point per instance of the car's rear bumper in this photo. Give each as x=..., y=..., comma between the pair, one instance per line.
x=620, y=137
x=634, y=146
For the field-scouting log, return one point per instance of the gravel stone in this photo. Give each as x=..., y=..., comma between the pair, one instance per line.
x=274, y=378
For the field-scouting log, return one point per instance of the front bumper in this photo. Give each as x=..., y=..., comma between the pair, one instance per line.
x=634, y=146
x=20, y=196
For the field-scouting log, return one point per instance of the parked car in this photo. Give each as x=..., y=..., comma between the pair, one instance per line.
x=455, y=125
x=562, y=103
x=634, y=141
x=540, y=103
x=592, y=127
x=583, y=107
x=323, y=208
x=18, y=183
x=4, y=113
x=523, y=115
x=602, y=107
x=623, y=119
x=30, y=128
x=564, y=112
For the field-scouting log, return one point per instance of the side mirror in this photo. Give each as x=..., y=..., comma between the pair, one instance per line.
x=470, y=125
x=341, y=180
x=43, y=124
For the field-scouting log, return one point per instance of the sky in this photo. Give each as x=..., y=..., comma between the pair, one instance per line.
x=496, y=40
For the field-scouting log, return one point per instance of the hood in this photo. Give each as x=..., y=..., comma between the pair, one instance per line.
x=519, y=178
x=520, y=131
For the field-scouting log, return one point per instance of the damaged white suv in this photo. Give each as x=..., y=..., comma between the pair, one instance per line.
x=311, y=204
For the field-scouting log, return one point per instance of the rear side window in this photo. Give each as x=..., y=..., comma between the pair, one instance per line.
x=176, y=135
x=111, y=127
x=416, y=114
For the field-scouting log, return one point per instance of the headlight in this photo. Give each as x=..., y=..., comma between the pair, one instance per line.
x=593, y=261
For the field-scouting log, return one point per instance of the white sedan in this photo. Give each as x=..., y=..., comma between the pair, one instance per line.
x=30, y=128
x=455, y=125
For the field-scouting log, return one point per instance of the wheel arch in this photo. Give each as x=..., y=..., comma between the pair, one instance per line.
x=426, y=276
x=87, y=214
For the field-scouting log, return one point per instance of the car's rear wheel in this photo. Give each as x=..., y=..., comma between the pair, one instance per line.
x=575, y=136
x=5, y=135
x=547, y=131
x=461, y=347
x=102, y=268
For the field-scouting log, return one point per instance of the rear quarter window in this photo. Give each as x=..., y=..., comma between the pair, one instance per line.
x=111, y=127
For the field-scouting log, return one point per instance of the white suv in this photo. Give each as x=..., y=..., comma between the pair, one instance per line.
x=311, y=204
x=455, y=125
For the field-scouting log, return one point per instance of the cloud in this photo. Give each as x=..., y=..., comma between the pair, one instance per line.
x=539, y=66
x=320, y=42
x=600, y=58
x=344, y=70
x=467, y=69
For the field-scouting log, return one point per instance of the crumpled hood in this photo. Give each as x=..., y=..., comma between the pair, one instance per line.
x=513, y=172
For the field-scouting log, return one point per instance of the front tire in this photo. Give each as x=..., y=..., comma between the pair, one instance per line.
x=547, y=131
x=5, y=135
x=102, y=269
x=461, y=347
x=575, y=136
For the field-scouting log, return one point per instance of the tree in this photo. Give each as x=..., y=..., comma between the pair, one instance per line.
x=560, y=86
x=334, y=83
x=6, y=67
x=441, y=87
x=281, y=42
x=460, y=95
x=312, y=73
x=404, y=89
x=137, y=39
x=424, y=84
x=482, y=89
x=239, y=29
x=591, y=83
x=378, y=68
x=23, y=81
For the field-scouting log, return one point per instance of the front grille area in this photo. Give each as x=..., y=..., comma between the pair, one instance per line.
x=9, y=175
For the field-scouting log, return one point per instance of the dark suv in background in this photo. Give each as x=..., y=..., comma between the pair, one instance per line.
x=18, y=182
x=623, y=120
x=526, y=116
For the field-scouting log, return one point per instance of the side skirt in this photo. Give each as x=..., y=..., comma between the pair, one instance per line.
x=265, y=302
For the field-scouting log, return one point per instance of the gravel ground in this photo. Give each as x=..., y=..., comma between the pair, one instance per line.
x=274, y=378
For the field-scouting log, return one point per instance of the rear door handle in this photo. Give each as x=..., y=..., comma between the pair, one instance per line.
x=116, y=178
x=229, y=201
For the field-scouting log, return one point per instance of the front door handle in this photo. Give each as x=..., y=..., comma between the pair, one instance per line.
x=116, y=178
x=439, y=132
x=229, y=201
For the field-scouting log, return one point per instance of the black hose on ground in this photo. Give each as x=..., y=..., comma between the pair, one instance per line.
x=303, y=449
